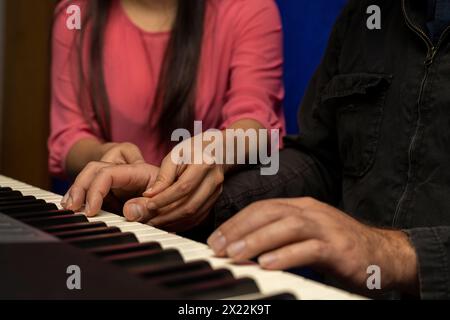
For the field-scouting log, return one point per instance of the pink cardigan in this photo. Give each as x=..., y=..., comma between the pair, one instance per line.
x=240, y=76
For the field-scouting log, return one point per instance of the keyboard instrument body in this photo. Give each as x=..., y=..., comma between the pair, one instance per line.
x=269, y=282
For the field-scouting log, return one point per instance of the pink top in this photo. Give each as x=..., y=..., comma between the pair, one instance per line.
x=240, y=76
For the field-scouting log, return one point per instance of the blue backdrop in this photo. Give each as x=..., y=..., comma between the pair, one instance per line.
x=307, y=25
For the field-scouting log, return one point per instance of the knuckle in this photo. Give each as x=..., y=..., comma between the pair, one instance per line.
x=184, y=187
x=295, y=224
x=219, y=178
x=209, y=165
x=95, y=194
x=134, y=148
x=105, y=171
x=320, y=250
x=258, y=204
x=253, y=242
x=189, y=210
x=134, y=167
x=75, y=189
x=227, y=228
x=92, y=165
x=309, y=201
x=347, y=245
x=308, y=214
x=160, y=179
x=126, y=145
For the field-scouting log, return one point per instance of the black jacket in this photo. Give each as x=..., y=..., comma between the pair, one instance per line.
x=375, y=138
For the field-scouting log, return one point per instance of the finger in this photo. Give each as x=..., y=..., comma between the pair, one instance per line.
x=76, y=195
x=173, y=206
x=114, y=177
x=186, y=213
x=181, y=226
x=306, y=203
x=132, y=154
x=190, y=180
x=275, y=235
x=125, y=153
x=166, y=177
x=249, y=219
x=138, y=210
x=307, y=253
x=114, y=156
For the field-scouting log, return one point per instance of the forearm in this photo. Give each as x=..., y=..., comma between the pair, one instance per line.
x=250, y=142
x=83, y=152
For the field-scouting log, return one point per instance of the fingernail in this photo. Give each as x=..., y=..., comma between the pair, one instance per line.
x=267, y=260
x=136, y=212
x=217, y=241
x=236, y=248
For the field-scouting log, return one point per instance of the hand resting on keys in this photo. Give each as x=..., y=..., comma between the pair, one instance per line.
x=101, y=179
x=175, y=197
x=288, y=233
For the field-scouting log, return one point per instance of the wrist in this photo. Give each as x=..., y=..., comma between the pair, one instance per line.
x=403, y=262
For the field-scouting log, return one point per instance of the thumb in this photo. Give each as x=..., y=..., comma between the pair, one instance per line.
x=132, y=154
x=166, y=177
x=139, y=210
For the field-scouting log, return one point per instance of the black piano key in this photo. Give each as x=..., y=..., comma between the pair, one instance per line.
x=11, y=194
x=281, y=296
x=196, y=277
x=25, y=203
x=21, y=203
x=103, y=240
x=54, y=221
x=125, y=248
x=43, y=206
x=85, y=232
x=5, y=189
x=18, y=200
x=163, y=270
x=221, y=289
x=74, y=226
x=145, y=258
x=40, y=214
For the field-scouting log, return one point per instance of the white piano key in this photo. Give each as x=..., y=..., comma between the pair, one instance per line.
x=269, y=282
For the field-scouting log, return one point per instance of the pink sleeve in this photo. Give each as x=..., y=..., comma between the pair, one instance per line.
x=67, y=119
x=256, y=88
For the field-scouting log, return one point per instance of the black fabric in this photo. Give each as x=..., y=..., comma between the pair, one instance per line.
x=438, y=18
x=375, y=138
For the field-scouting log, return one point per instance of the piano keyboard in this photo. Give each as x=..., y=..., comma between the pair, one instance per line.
x=193, y=254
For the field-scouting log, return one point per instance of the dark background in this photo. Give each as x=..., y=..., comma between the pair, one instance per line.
x=24, y=76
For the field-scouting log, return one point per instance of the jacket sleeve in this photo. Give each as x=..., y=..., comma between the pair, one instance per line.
x=310, y=164
x=433, y=252
x=317, y=141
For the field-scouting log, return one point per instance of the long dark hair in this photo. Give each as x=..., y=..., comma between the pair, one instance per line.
x=175, y=94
